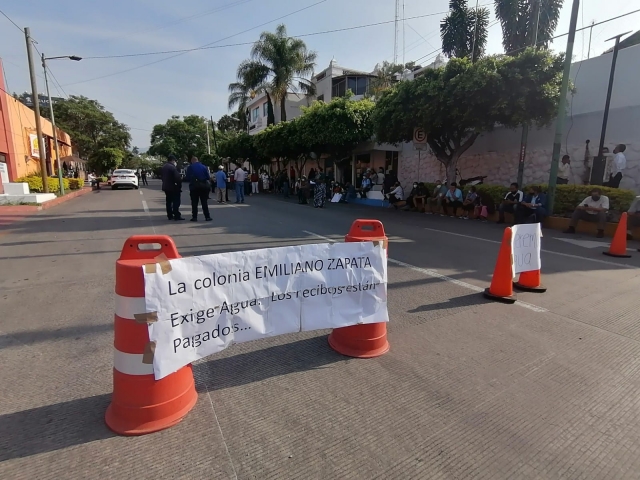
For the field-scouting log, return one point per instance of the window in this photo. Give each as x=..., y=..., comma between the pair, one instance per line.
x=339, y=87
x=352, y=84
x=321, y=76
x=254, y=114
x=265, y=109
x=391, y=161
x=321, y=98
x=362, y=87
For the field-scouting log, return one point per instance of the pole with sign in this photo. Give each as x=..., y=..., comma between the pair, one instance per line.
x=419, y=143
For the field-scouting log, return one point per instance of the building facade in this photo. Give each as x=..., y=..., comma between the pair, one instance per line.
x=19, y=148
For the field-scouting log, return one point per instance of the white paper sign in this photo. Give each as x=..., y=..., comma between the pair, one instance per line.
x=336, y=197
x=525, y=247
x=206, y=303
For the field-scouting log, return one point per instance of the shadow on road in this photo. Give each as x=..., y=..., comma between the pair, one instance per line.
x=29, y=337
x=53, y=427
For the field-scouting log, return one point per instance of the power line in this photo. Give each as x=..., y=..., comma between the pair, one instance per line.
x=206, y=45
x=14, y=23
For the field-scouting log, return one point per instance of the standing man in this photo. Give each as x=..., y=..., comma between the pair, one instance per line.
x=172, y=188
x=619, y=165
x=199, y=184
x=239, y=177
x=564, y=171
x=254, y=182
x=221, y=184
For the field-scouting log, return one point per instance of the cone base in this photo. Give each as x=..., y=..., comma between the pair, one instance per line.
x=358, y=353
x=617, y=255
x=510, y=299
x=526, y=288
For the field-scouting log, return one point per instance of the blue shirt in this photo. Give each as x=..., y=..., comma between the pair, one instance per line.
x=196, y=171
x=221, y=179
x=457, y=195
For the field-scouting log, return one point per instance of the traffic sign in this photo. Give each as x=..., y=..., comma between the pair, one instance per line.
x=419, y=138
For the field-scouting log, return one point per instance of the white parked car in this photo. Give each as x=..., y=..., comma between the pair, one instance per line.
x=124, y=178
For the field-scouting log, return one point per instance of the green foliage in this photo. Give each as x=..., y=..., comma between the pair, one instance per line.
x=90, y=126
x=568, y=197
x=182, y=137
x=455, y=103
x=75, y=183
x=106, y=159
x=235, y=147
x=464, y=30
x=35, y=183
x=517, y=19
x=229, y=123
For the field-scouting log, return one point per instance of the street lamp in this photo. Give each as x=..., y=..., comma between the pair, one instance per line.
x=53, y=120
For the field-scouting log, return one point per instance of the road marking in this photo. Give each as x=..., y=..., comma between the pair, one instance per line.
x=435, y=274
x=576, y=257
x=587, y=243
x=140, y=192
x=145, y=206
x=146, y=210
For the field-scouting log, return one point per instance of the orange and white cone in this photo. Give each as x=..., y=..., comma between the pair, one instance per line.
x=530, y=282
x=618, y=246
x=501, y=289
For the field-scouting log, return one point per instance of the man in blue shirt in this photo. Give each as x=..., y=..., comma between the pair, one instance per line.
x=199, y=184
x=221, y=184
x=453, y=198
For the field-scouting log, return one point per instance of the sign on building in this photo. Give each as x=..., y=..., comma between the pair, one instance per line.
x=419, y=138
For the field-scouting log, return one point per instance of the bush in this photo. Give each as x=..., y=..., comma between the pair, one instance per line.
x=76, y=183
x=35, y=183
x=568, y=197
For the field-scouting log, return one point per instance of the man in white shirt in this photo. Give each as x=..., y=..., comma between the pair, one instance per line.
x=592, y=209
x=239, y=176
x=564, y=171
x=619, y=165
x=512, y=199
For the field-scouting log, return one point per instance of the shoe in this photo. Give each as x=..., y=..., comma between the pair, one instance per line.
x=194, y=220
x=570, y=230
x=177, y=219
x=208, y=219
x=170, y=218
x=600, y=234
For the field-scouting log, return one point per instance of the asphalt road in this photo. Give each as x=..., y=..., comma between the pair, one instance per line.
x=545, y=388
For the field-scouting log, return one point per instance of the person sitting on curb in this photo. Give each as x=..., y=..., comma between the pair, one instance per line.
x=417, y=193
x=396, y=196
x=420, y=198
x=534, y=207
x=435, y=200
x=510, y=203
x=453, y=198
x=592, y=209
x=633, y=217
x=470, y=202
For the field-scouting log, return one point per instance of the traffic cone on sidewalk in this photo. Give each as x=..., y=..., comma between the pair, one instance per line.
x=530, y=282
x=501, y=289
x=618, y=246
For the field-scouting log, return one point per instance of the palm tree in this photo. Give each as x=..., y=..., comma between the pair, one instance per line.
x=279, y=64
x=518, y=19
x=240, y=94
x=385, y=77
x=464, y=30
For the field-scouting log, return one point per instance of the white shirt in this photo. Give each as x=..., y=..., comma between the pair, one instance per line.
x=380, y=179
x=518, y=196
x=564, y=170
x=619, y=163
x=239, y=175
x=602, y=202
x=399, y=194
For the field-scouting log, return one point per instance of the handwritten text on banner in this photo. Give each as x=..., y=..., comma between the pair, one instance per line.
x=525, y=244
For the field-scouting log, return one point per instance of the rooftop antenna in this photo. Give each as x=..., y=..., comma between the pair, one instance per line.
x=397, y=29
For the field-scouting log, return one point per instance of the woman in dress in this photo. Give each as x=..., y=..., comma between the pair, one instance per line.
x=320, y=193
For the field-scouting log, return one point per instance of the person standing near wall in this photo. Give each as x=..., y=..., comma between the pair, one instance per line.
x=564, y=171
x=619, y=165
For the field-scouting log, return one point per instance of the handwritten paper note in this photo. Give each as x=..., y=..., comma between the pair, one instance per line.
x=525, y=247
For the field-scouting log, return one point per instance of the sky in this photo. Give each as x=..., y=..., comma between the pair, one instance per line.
x=142, y=91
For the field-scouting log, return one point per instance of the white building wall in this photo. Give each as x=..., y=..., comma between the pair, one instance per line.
x=496, y=153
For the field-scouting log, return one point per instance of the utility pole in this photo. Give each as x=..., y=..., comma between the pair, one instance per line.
x=36, y=108
x=397, y=29
x=562, y=107
x=599, y=163
x=535, y=14
x=53, y=126
x=590, y=33
x=213, y=130
x=208, y=141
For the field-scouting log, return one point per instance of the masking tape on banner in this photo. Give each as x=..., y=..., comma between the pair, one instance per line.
x=383, y=242
x=149, y=352
x=148, y=317
x=129, y=307
x=131, y=363
x=165, y=267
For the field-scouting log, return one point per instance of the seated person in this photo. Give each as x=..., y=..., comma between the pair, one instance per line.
x=591, y=209
x=420, y=197
x=452, y=199
x=349, y=193
x=633, y=217
x=435, y=200
x=510, y=203
x=396, y=196
x=534, y=207
x=470, y=202
x=416, y=192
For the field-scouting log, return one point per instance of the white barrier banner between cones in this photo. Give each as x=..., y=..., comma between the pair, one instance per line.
x=206, y=303
x=525, y=247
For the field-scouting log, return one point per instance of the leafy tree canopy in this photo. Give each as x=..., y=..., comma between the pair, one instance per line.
x=90, y=126
x=229, y=123
x=182, y=137
x=106, y=159
x=455, y=103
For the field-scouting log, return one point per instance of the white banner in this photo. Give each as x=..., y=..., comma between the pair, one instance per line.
x=206, y=303
x=525, y=247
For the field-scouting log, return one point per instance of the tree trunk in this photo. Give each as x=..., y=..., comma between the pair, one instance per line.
x=451, y=166
x=283, y=111
x=271, y=118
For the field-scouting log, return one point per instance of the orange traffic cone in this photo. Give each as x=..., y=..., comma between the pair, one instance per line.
x=530, y=282
x=368, y=340
x=501, y=288
x=618, y=246
x=141, y=404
